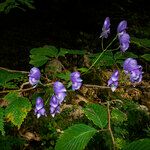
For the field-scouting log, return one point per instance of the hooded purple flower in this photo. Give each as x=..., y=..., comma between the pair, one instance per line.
x=106, y=28
x=122, y=26
x=54, y=106
x=131, y=67
x=59, y=87
x=76, y=80
x=34, y=76
x=39, y=107
x=113, y=81
x=124, y=40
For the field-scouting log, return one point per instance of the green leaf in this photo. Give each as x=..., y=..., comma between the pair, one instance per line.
x=75, y=137
x=146, y=57
x=82, y=70
x=17, y=108
x=105, y=60
x=64, y=51
x=140, y=42
x=40, y=56
x=118, y=116
x=6, y=77
x=97, y=113
x=142, y=144
x=120, y=57
x=64, y=76
x=37, y=60
x=2, y=121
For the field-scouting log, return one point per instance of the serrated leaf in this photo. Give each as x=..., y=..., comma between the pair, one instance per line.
x=142, y=144
x=40, y=56
x=38, y=60
x=97, y=113
x=65, y=76
x=2, y=121
x=118, y=116
x=106, y=59
x=146, y=57
x=6, y=77
x=75, y=137
x=82, y=70
x=120, y=55
x=17, y=108
x=140, y=42
x=64, y=51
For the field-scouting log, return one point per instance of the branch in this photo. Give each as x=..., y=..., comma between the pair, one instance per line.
x=109, y=126
x=9, y=70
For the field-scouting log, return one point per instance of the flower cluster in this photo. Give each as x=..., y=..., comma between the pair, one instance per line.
x=34, y=76
x=113, y=81
x=57, y=98
x=39, y=107
x=76, y=80
x=124, y=38
x=131, y=67
x=59, y=92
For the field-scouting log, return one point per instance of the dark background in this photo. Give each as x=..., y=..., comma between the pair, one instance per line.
x=64, y=23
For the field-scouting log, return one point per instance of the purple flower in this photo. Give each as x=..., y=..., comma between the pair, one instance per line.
x=136, y=75
x=76, y=80
x=124, y=40
x=113, y=81
x=106, y=28
x=54, y=106
x=131, y=67
x=34, y=76
x=59, y=87
x=122, y=26
x=39, y=107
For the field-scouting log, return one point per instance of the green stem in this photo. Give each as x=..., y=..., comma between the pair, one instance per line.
x=102, y=53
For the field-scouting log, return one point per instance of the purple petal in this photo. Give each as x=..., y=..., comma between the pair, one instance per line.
x=122, y=26
x=59, y=87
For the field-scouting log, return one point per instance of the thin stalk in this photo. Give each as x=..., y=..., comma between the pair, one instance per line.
x=102, y=53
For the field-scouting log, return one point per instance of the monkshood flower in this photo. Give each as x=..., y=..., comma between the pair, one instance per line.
x=122, y=26
x=39, y=108
x=136, y=75
x=34, y=76
x=113, y=81
x=76, y=80
x=60, y=91
x=131, y=67
x=106, y=28
x=124, y=40
x=54, y=106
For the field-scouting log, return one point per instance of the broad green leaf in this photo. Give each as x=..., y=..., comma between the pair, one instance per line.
x=17, y=108
x=6, y=77
x=50, y=51
x=65, y=75
x=142, y=144
x=146, y=57
x=2, y=121
x=118, y=116
x=75, y=137
x=38, y=60
x=82, y=70
x=40, y=56
x=106, y=59
x=140, y=42
x=120, y=55
x=97, y=113
x=64, y=51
